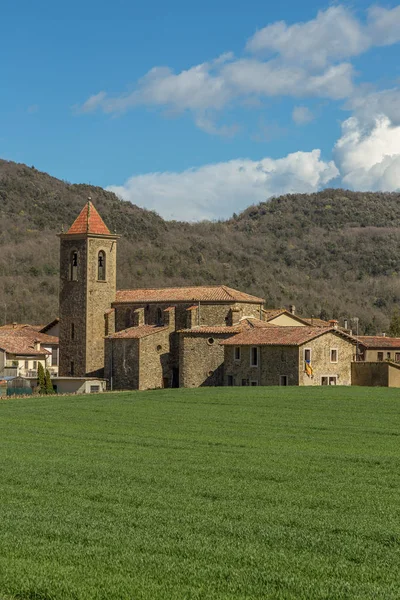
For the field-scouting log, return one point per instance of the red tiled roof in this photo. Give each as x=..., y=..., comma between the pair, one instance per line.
x=379, y=341
x=281, y=336
x=137, y=332
x=89, y=221
x=244, y=324
x=218, y=293
x=27, y=332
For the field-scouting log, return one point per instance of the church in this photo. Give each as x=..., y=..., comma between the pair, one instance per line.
x=141, y=338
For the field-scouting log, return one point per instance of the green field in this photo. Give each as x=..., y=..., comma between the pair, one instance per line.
x=233, y=493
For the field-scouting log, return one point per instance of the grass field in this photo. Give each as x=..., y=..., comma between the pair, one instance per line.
x=231, y=493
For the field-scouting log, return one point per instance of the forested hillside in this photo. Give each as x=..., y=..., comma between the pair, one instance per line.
x=332, y=254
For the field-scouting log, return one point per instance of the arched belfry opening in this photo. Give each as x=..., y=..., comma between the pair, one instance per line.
x=101, y=266
x=73, y=266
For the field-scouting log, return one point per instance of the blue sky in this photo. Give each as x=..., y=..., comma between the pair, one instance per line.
x=197, y=110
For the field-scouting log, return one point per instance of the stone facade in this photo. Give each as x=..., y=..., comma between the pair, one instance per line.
x=277, y=364
x=201, y=359
x=84, y=299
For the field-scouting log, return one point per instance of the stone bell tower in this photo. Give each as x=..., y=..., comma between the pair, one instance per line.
x=88, y=254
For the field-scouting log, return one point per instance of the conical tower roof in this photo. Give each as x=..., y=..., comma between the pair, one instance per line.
x=89, y=221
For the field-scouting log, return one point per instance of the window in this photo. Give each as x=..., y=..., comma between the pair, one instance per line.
x=101, y=266
x=210, y=341
x=231, y=380
x=237, y=352
x=380, y=356
x=254, y=356
x=307, y=355
x=334, y=355
x=94, y=389
x=253, y=382
x=329, y=380
x=388, y=355
x=159, y=318
x=245, y=382
x=72, y=368
x=34, y=365
x=397, y=357
x=73, y=266
x=283, y=379
x=54, y=357
x=27, y=364
x=72, y=331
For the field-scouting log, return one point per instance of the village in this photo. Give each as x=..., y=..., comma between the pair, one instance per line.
x=141, y=339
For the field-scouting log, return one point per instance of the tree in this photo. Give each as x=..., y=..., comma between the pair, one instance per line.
x=49, y=385
x=41, y=379
x=394, y=328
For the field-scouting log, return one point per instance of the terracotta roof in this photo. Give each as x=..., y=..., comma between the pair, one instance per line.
x=27, y=332
x=271, y=313
x=244, y=324
x=218, y=293
x=281, y=336
x=317, y=322
x=379, y=341
x=137, y=332
x=89, y=221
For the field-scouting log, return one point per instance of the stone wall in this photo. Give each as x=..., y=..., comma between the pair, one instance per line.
x=320, y=360
x=201, y=362
x=154, y=365
x=273, y=362
x=370, y=373
x=122, y=363
x=100, y=295
x=209, y=313
x=72, y=308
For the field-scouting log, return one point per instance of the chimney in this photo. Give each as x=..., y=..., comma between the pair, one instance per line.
x=169, y=317
x=383, y=334
x=235, y=316
x=138, y=317
x=292, y=309
x=345, y=324
x=333, y=323
x=36, y=345
x=14, y=325
x=192, y=317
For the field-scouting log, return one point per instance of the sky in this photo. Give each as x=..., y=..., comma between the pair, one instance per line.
x=198, y=110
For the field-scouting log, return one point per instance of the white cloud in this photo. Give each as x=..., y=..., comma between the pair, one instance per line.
x=367, y=106
x=369, y=156
x=384, y=25
x=218, y=190
x=302, y=115
x=333, y=35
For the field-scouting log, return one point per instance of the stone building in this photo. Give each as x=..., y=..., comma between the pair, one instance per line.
x=140, y=338
x=287, y=355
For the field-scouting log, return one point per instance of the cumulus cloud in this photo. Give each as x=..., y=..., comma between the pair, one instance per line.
x=217, y=190
x=369, y=156
x=333, y=35
x=302, y=115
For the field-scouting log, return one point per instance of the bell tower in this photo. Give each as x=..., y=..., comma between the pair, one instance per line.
x=88, y=254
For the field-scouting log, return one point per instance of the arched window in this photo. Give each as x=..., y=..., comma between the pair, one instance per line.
x=101, y=266
x=159, y=316
x=73, y=266
x=72, y=331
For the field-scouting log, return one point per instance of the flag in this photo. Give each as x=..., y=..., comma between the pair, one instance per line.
x=308, y=368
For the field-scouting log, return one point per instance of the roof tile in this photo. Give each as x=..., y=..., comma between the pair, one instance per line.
x=89, y=221
x=281, y=336
x=219, y=293
x=379, y=341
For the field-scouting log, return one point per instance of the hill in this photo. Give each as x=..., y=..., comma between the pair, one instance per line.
x=332, y=254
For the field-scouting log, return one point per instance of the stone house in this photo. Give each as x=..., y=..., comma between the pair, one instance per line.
x=378, y=348
x=23, y=347
x=289, y=356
